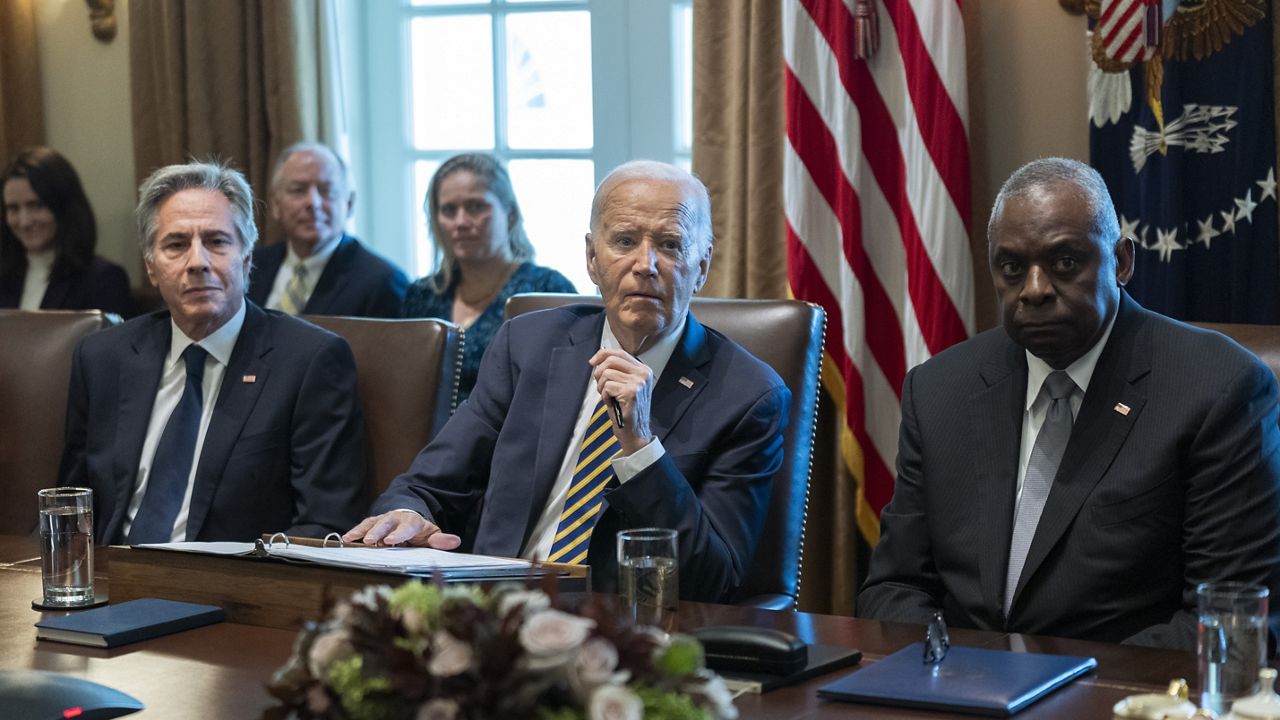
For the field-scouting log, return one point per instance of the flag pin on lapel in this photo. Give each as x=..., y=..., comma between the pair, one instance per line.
x=1121, y=408
x=686, y=382
x=249, y=379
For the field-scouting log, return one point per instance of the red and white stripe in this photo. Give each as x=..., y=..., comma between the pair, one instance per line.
x=877, y=200
x=1124, y=26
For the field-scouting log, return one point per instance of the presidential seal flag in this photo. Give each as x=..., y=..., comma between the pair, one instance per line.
x=876, y=182
x=1185, y=139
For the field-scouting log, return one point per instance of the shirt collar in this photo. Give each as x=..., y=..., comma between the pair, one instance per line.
x=655, y=357
x=219, y=344
x=1081, y=371
x=42, y=260
x=314, y=262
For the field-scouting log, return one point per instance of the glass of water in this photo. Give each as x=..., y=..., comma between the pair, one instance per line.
x=66, y=546
x=1231, y=644
x=648, y=573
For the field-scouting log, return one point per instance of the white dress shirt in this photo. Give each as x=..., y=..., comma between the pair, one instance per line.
x=315, y=264
x=36, y=282
x=173, y=379
x=1036, y=405
x=625, y=468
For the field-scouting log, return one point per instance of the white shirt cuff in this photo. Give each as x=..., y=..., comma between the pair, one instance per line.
x=632, y=465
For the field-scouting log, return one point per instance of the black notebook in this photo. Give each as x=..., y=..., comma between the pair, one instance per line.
x=127, y=622
x=971, y=680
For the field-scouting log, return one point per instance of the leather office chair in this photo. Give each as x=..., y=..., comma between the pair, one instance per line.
x=35, y=369
x=1261, y=340
x=788, y=336
x=407, y=371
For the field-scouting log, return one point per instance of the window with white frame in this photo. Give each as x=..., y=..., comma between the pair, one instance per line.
x=560, y=90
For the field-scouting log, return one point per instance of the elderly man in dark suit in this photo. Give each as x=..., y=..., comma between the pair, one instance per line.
x=588, y=420
x=212, y=419
x=1081, y=470
x=319, y=269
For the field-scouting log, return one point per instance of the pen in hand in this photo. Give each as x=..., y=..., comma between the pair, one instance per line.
x=617, y=413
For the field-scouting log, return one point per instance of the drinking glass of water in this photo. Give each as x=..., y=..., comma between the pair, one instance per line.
x=66, y=546
x=648, y=573
x=1231, y=644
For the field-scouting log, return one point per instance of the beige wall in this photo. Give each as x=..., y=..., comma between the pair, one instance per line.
x=1027, y=99
x=87, y=116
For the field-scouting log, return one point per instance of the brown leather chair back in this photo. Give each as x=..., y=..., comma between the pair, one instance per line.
x=407, y=371
x=1261, y=340
x=35, y=370
x=787, y=335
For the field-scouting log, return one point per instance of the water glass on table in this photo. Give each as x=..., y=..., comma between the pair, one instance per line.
x=648, y=575
x=66, y=546
x=1231, y=644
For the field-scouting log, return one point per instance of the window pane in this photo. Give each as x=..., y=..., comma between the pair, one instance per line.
x=422, y=172
x=427, y=3
x=549, y=80
x=683, y=85
x=452, y=81
x=555, y=197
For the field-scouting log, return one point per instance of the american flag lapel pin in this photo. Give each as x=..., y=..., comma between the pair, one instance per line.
x=686, y=382
x=249, y=379
x=1121, y=408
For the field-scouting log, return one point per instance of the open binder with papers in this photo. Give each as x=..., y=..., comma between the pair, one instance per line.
x=402, y=560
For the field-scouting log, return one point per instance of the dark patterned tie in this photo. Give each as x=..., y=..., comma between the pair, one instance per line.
x=590, y=476
x=1041, y=469
x=171, y=465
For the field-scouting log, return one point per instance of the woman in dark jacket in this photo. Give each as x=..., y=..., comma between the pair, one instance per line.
x=47, y=240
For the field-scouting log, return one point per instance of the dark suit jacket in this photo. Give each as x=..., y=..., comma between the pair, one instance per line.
x=101, y=286
x=355, y=282
x=1183, y=487
x=283, y=451
x=488, y=474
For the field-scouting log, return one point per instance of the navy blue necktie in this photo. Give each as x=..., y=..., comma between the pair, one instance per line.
x=171, y=466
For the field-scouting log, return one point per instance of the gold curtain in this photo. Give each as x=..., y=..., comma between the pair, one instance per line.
x=739, y=136
x=213, y=79
x=21, y=101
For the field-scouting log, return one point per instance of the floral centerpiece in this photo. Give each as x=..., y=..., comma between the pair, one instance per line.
x=435, y=652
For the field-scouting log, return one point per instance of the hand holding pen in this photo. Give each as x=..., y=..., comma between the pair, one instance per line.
x=626, y=384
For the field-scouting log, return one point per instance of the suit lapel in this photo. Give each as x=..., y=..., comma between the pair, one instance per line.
x=995, y=426
x=235, y=402
x=681, y=380
x=567, y=376
x=1098, y=433
x=55, y=296
x=139, y=381
x=336, y=268
x=266, y=264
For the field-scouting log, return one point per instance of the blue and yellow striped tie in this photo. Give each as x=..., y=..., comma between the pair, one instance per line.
x=582, y=507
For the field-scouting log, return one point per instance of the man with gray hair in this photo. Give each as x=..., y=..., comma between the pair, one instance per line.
x=1080, y=471
x=319, y=269
x=587, y=420
x=211, y=419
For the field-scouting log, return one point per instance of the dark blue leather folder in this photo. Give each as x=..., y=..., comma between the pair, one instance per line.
x=970, y=680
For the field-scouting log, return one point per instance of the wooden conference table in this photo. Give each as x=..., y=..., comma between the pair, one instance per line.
x=221, y=671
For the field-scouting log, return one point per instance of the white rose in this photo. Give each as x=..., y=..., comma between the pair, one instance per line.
x=438, y=709
x=594, y=665
x=533, y=601
x=554, y=634
x=717, y=695
x=327, y=649
x=449, y=655
x=368, y=597
x=413, y=621
x=615, y=702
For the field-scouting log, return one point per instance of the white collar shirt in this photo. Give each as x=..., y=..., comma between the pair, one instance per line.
x=315, y=264
x=173, y=379
x=1036, y=404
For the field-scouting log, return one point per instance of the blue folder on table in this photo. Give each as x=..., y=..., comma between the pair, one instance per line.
x=971, y=680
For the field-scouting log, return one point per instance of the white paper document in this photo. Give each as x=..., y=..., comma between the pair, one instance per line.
x=392, y=559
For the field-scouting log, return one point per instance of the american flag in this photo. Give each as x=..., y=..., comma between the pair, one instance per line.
x=876, y=181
